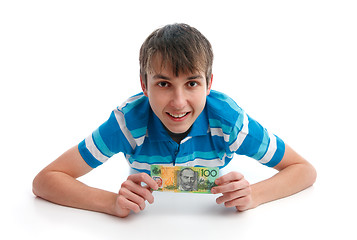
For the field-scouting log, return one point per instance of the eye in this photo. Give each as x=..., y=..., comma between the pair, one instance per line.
x=163, y=84
x=192, y=84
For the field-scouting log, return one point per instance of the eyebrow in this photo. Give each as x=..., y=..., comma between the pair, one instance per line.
x=160, y=76
x=195, y=77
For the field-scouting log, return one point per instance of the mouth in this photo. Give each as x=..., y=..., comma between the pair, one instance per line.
x=178, y=116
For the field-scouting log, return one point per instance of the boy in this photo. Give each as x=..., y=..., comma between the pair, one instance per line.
x=176, y=120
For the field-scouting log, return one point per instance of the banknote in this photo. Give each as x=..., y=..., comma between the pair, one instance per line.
x=184, y=179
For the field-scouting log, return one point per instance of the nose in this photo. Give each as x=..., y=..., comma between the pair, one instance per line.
x=178, y=100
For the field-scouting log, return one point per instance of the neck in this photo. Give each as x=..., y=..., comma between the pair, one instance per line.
x=177, y=137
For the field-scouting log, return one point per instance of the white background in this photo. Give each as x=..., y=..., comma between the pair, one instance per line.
x=64, y=65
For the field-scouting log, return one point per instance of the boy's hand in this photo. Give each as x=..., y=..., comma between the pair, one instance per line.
x=235, y=189
x=132, y=195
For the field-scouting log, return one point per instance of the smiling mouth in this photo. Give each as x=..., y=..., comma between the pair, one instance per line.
x=178, y=116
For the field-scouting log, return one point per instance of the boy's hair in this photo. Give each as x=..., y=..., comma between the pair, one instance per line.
x=181, y=47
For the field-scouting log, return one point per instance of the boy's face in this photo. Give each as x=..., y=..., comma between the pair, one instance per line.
x=176, y=100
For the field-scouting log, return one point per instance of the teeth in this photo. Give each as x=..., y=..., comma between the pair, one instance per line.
x=178, y=115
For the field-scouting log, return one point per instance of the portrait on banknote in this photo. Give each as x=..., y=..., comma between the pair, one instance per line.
x=187, y=179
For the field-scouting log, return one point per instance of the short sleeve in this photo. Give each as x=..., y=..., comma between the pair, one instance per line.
x=251, y=139
x=122, y=132
x=234, y=129
x=106, y=141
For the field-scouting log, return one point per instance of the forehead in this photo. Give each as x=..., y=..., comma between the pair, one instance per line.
x=157, y=65
x=187, y=172
x=160, y=65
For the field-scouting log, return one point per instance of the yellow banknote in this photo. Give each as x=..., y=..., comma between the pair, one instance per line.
x=184, y=179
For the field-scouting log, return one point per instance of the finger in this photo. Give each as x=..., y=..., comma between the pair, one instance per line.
x=124, y=203
x=241, y=203
x=229, y=177
x=230, y=187
x=144, y=178
x=226, y=197
x=133, y=198
x=139, y=190
x=149, y=188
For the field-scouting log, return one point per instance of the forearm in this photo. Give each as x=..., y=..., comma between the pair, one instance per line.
x=60, y=188
x=288, y=181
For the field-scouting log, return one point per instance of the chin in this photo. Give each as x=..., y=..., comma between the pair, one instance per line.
x=178, y=130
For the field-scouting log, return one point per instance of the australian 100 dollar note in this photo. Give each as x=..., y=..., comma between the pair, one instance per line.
x=184, y=179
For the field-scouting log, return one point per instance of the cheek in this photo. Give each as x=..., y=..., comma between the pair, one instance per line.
x=199, y=101
x=157, y=101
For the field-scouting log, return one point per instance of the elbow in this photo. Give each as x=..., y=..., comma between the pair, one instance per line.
x=36, y=184
x=311, y=174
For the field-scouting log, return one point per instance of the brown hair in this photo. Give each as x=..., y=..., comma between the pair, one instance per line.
x=180, y=46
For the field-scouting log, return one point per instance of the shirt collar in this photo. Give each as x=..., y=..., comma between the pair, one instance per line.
x=157, y=132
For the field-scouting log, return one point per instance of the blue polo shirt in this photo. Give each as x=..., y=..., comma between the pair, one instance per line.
x=220, y=131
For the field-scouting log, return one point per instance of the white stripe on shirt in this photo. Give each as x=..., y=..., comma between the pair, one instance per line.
x=203, y=162
x=271, y=149
x=121, y=121
x=241, y=135
x=219, y=132
x=94, y=150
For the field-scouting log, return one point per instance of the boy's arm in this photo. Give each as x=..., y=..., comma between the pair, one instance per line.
x=295, y=174
x=57, y=183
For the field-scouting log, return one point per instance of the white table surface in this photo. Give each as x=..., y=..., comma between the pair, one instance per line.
x=325, y=210
x=291, y=65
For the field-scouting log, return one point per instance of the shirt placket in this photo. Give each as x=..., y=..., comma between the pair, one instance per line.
x=175, y=151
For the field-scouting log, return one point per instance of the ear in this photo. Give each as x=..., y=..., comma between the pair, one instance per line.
x=209, y=85
x=143, y=87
